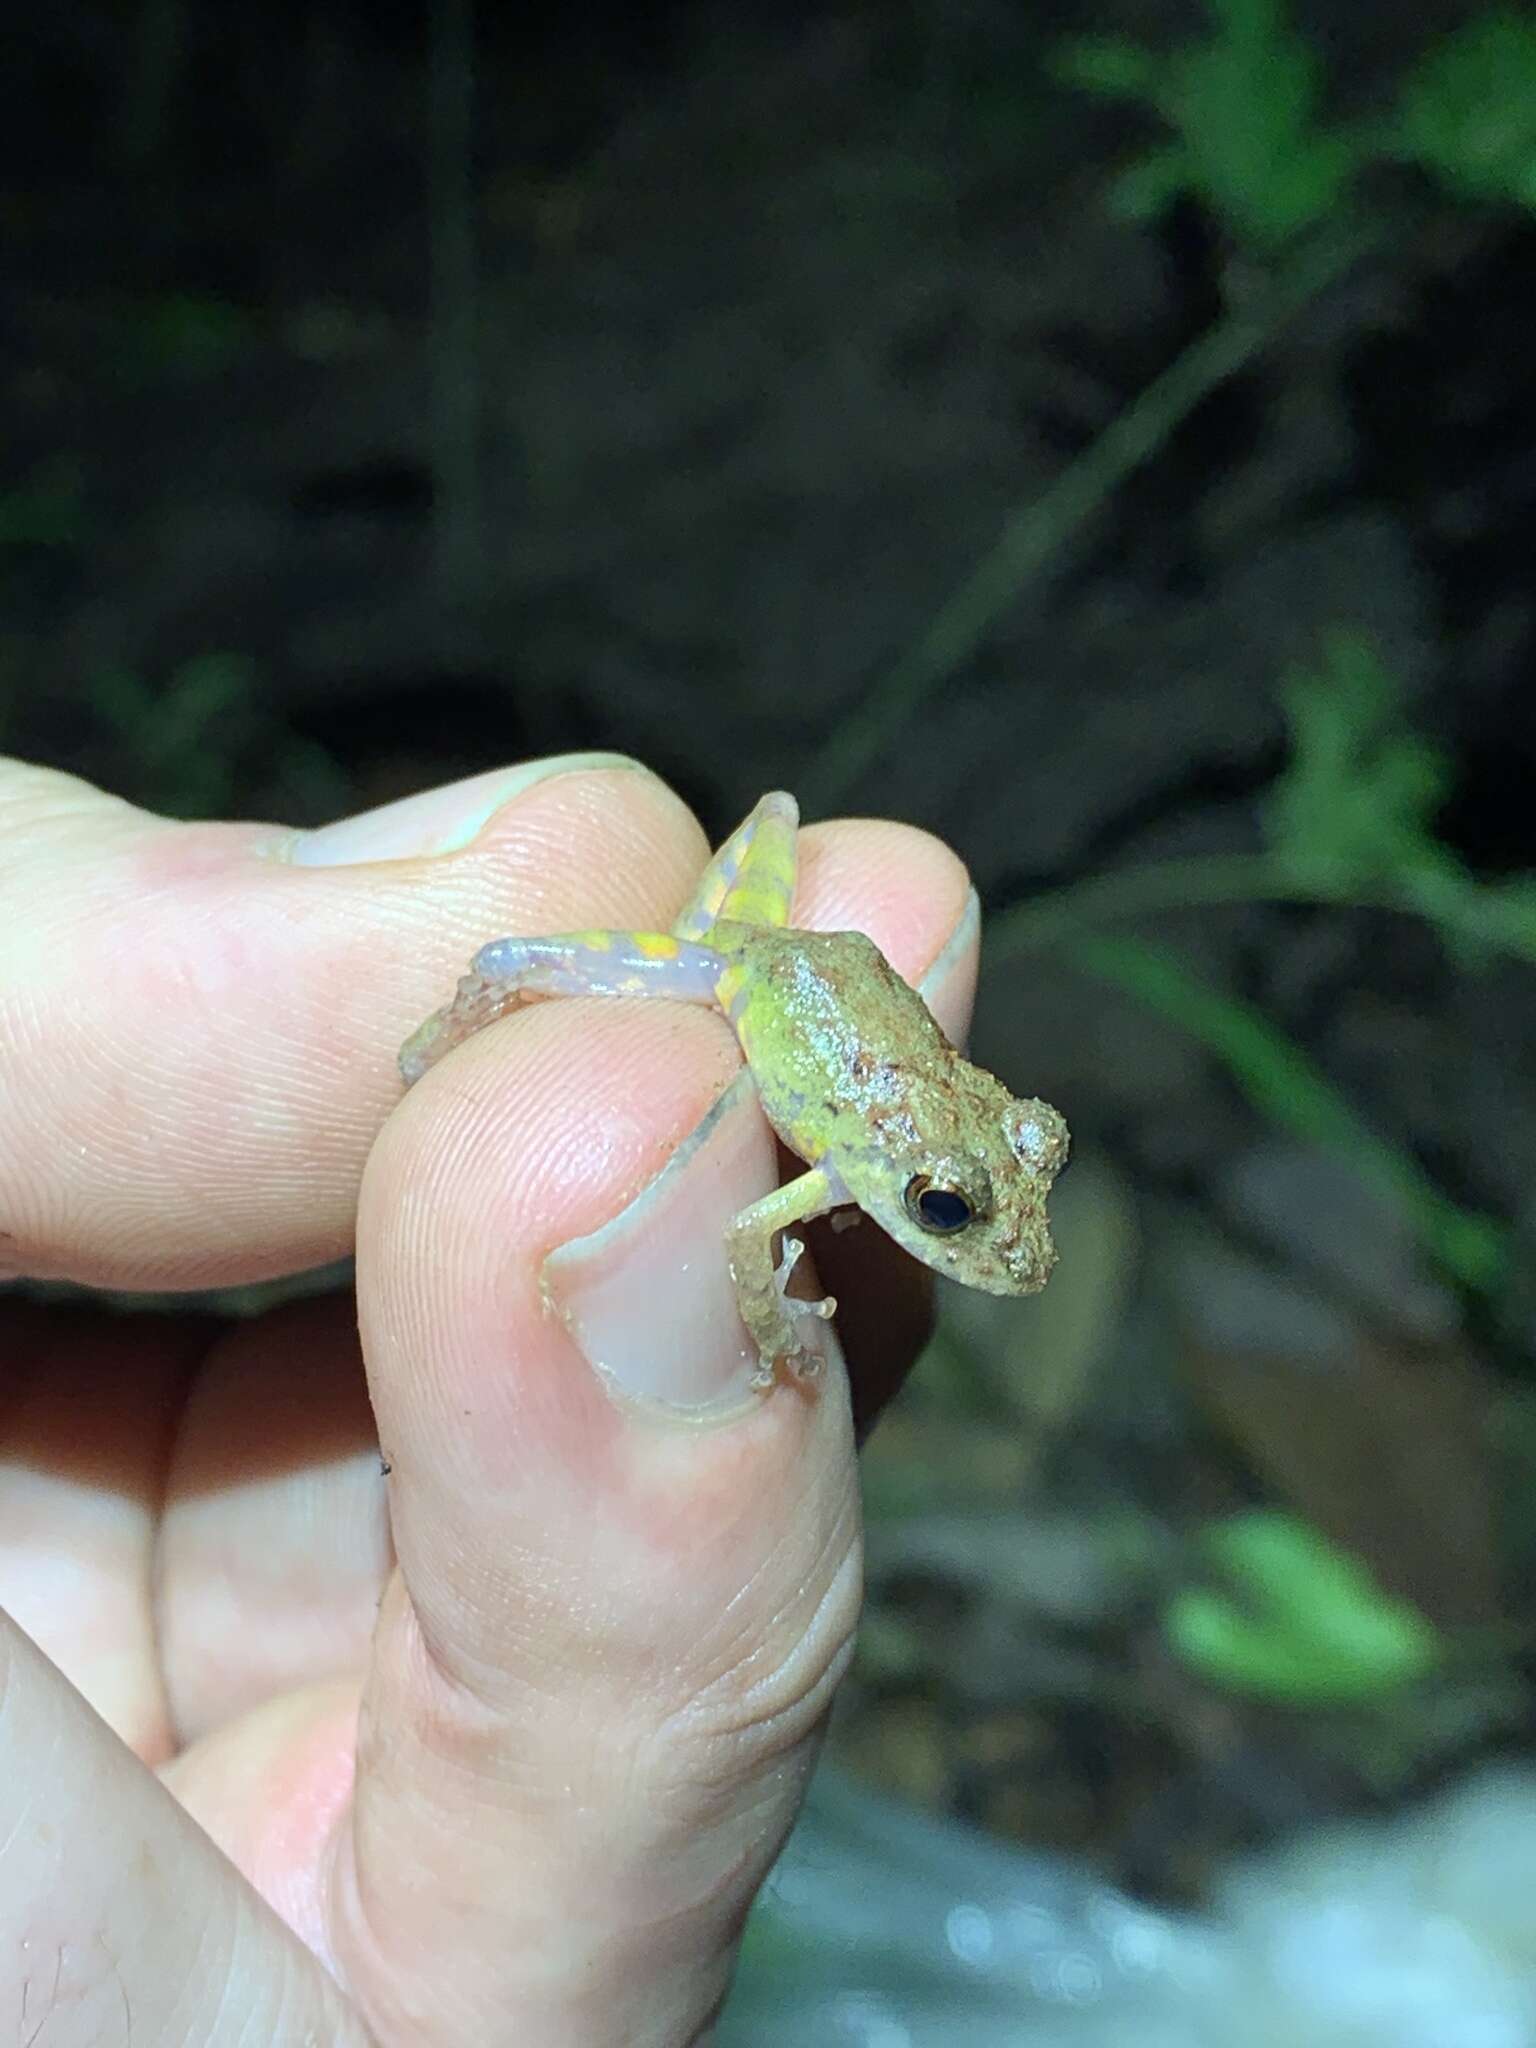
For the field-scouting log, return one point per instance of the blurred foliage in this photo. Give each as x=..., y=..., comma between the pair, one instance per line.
x=1033, y=536
x=1284, y=1084
x=1245, y=106
x=1360, y=792
x=1354, y=812
x=196, y=742
x=1253, y=148
x=1349, y=822
x=1294, y=1619
x=1467, y=112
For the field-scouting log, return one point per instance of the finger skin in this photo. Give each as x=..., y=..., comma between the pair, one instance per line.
x=88, y=1418
x=122, y=1921
x=599, y=1676
x=198, y=1034
x=274, y=1535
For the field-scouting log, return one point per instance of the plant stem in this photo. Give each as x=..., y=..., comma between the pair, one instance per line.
x=1282, y=1083
x=1208, y=880
x=1032, y=536
x=1200, y=883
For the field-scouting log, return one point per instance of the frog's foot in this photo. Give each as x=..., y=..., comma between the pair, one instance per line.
x=476, y=1003
x=791, y=1352
x=775, y=1318
x=794, y=1304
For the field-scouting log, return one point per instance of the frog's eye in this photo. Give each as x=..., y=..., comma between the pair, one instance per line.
x=936, y=1208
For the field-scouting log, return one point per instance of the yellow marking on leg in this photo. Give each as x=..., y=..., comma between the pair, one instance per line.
x=763, y=890
x=764, y=884
x=751, y=880
x=655, y=945
x=729, y=987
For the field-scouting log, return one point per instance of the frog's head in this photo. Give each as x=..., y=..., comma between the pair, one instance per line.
x=961, y=1182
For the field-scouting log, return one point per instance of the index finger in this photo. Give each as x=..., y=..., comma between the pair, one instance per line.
x=198, y=1022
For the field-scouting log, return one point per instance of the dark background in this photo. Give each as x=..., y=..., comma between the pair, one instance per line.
x=386, y=394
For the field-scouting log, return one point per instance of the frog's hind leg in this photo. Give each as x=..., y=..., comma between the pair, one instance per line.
x=507, y=971
x=751, y=880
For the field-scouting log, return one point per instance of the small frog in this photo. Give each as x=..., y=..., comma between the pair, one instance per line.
x=853, y=1072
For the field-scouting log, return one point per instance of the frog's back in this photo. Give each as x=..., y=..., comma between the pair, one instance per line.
x=829, y=1029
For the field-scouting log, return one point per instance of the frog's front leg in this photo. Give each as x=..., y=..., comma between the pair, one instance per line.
x=769, y=1311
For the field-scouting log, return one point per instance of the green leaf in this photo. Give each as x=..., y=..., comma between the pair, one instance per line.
x=1295, y=1618
x=1353, y=812
x=1283, y=1084
x=1467, y=112
x=1244, y=107
x=1361, y=790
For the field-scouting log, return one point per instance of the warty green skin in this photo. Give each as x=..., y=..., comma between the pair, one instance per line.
x=856, y=1077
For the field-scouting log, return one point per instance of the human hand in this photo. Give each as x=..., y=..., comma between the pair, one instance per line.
x=497, y=1746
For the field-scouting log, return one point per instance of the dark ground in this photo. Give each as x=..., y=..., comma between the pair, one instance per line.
x=778, y=319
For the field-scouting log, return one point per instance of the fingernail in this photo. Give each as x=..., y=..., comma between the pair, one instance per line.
x=648, y=1299
x=437, y=820
x=949, y=986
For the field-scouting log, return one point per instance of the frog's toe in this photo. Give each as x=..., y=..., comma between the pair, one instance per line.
x=795, y=1361
x=789, y=1256
x=793, y=1304
x=423, y=1048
